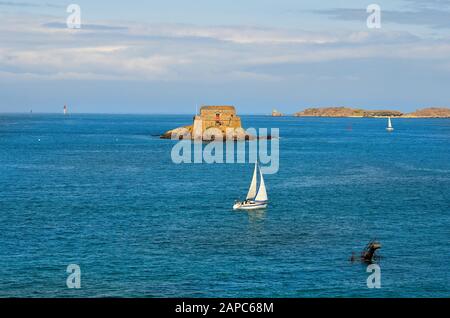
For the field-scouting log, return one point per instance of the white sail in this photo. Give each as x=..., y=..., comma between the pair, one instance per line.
x=389, y=122
x=262, y=193
x=252, y=191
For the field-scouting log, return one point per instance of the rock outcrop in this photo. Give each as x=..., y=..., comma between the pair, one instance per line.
x=276, y=113
x=432, y=112
x=213, y=123
x=331, y=112
x=382, y=113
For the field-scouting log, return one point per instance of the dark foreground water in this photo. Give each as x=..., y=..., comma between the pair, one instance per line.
x=102, y=192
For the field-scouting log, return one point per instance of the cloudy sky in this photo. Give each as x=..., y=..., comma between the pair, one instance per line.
x=169, y=56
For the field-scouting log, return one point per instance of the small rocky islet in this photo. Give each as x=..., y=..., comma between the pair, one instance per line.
x=276, y=113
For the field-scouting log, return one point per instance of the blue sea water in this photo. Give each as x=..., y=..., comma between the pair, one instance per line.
x=101, y=191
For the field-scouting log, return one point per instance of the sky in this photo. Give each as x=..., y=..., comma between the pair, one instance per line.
x=169, y=57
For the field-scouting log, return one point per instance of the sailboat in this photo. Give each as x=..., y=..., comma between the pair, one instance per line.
x=255, y=199
x=389, y=127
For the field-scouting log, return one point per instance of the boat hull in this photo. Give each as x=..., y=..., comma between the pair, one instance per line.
x=249, y=206
x=390, y=129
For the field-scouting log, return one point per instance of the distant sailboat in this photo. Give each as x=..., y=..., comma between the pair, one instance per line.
x=65, y=110
x=255, y=199
x=389, y=126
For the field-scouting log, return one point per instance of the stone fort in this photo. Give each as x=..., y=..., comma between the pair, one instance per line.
x=220, y=117
x=210, y=118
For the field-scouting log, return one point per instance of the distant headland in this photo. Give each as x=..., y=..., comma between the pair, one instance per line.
x=432, y=112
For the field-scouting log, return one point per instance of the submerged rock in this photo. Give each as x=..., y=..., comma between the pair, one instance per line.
x=368, y=254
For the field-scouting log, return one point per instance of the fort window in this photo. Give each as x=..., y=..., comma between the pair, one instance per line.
x=217, y=118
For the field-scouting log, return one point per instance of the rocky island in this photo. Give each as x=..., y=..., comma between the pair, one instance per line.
x=213, y=121
x=346, y=112
x=432, y=112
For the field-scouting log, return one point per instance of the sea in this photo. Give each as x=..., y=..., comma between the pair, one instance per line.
x=102, y=192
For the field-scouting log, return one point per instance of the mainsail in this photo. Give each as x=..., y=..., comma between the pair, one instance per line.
x=252, y=191
x=389, y=123
x=262, y=193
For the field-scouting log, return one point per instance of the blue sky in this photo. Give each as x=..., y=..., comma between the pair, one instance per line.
x=168, y=57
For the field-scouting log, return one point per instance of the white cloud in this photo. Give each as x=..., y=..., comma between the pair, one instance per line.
x=38, y=48
x=84, y=62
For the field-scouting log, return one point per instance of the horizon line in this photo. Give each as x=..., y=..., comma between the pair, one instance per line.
x=193, y=114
